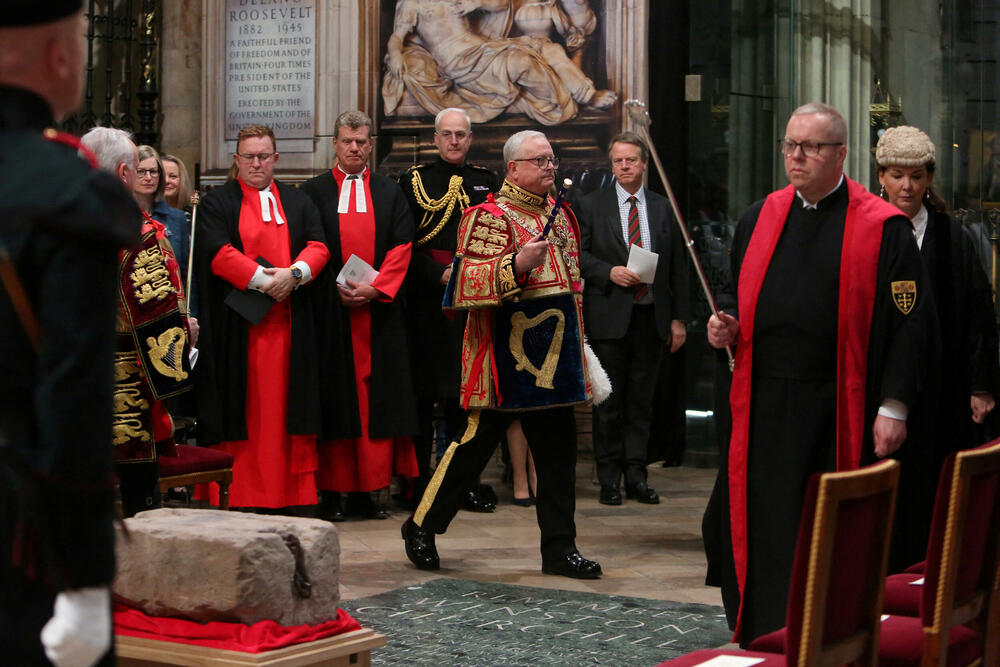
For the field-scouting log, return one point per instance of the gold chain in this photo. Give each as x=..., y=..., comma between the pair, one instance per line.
x=454, y=194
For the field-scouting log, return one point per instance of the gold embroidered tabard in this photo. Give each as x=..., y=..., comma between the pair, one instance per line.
x=523, y=345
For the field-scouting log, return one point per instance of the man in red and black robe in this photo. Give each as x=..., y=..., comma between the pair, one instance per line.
x=831, y=332
x=369, y=412
x=257, y=381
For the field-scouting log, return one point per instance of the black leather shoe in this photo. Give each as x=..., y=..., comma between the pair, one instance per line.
x=475, y=502
x=642, y=493
x=573, y=565
x=610, y=495
x=420, y=547
x=329, y=509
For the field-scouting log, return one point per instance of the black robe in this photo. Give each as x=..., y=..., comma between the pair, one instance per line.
x=941, y=422
x=794, y=388
x=391, y=408
x=221, y=371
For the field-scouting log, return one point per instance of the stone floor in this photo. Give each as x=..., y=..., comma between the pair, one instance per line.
x=647, y=551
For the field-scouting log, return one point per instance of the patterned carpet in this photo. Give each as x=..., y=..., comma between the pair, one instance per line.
x=458, y=622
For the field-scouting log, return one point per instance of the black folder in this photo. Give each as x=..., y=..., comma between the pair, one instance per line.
x=250, y=304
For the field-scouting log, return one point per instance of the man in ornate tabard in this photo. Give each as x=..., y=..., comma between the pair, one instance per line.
x=371, y=397
x=631, y=323
x=523, y=355
x=151, y=342
x=438, y=193
x=62, y=223
x=260, y=244
x=831, y=333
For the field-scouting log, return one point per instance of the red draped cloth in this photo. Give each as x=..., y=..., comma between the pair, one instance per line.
x=260, y=636
x=365, y=463
x=272, y=468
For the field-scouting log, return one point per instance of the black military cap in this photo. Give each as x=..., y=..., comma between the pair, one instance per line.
x=32, y=12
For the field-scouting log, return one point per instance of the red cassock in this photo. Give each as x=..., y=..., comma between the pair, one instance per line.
x=365, y=463
x=272, y=468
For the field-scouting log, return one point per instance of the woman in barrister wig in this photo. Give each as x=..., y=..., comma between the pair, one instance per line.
x=955, y=409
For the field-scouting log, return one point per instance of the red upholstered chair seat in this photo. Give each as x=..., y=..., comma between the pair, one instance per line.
x=772, y=642
x=916, y=568
x=191, y=459
x=902, y=594
x=902, y=643
x=197, y=465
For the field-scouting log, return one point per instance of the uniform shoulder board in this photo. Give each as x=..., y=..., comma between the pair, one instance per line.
x=479, y=167
x=66, y=139
x=419, y=166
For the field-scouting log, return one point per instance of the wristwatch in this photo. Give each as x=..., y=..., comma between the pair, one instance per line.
x=297, y=274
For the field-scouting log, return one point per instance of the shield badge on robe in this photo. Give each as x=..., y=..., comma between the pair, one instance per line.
x=904, y=295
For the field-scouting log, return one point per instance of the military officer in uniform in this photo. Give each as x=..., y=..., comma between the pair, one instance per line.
x=63, y=223
x=438, y=192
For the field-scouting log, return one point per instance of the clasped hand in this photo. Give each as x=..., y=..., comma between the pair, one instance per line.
x=356, y=294
x=281, y=284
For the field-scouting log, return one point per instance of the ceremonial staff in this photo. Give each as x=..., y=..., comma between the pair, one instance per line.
x=637, y=112
x=195, y=200
x=566, y=184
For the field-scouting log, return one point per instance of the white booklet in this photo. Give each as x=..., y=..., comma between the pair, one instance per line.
x=358, y=271
x=642, y=262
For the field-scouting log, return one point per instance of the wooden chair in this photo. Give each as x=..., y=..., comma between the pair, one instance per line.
x=953, y=616
x=197, y=465
x=835, y=594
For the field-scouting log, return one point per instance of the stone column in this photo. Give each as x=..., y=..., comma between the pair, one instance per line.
x=834, y=52
x=180, y=80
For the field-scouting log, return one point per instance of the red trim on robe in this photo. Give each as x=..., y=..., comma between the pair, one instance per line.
x=858, y=284
x=365, y=463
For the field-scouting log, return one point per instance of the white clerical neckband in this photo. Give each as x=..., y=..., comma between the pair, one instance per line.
x=267, y=200
x=352, y=181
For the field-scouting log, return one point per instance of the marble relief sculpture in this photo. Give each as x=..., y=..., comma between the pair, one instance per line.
x=492, y=56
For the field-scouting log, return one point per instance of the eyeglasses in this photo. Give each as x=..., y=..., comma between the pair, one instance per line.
x=809, y=148
x=631, y=161
x=458, y=136
x=540, y=161
x=250, y=157
x=152, y=173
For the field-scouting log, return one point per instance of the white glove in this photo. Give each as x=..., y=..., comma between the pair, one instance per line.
x=79, y=632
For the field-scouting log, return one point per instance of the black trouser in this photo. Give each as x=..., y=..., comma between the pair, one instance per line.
x=423, y=442
x=622, y=421
x=139, y=484
x=551, y=435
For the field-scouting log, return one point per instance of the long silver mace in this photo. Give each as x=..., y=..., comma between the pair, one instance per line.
x=640, y=116
x=195, y=200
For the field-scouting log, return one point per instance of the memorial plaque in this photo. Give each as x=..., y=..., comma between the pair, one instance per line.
x=271, y=67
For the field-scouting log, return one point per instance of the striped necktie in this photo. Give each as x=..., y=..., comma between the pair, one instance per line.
x=635, y=238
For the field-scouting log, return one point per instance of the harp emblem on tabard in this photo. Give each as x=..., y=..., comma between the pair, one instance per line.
x=904, y=295
x=521, y=325
x=165, y=353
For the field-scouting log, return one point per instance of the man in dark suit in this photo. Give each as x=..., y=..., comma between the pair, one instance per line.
x=629, y=322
